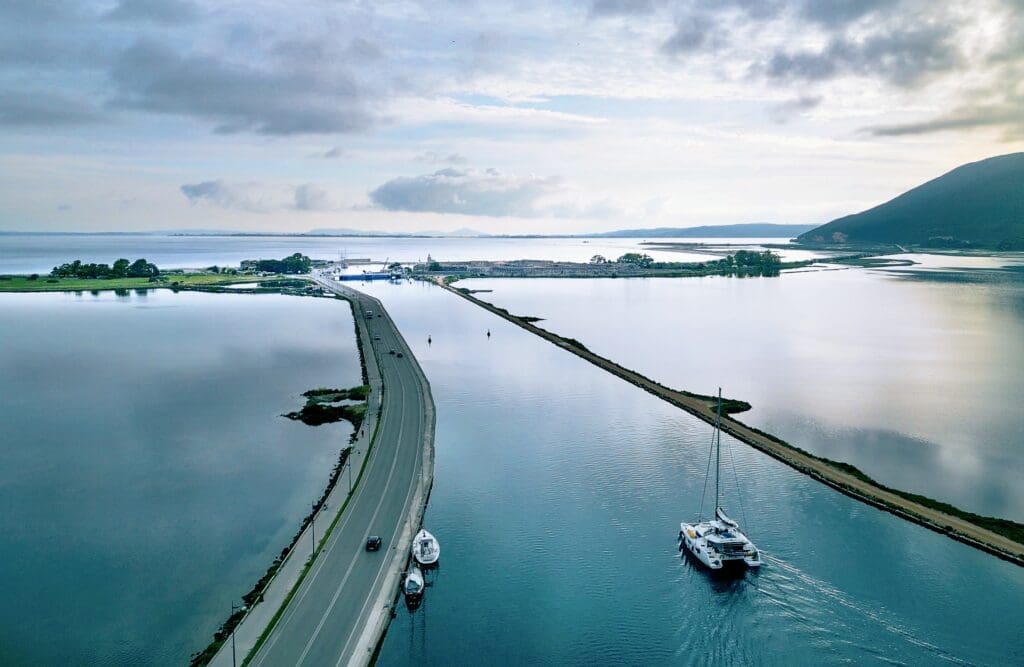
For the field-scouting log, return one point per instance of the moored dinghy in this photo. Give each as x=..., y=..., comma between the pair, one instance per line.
x=425, y=548
x=413, y=585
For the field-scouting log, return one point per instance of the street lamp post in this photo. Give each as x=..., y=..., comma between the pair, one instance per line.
x=234, y=660
x=314, y=526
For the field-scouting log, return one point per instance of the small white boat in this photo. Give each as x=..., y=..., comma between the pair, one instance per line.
x=719, y=540
x=425, y=548
x=413, y=585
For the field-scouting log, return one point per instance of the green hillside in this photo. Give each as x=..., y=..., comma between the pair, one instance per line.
x=980, y=204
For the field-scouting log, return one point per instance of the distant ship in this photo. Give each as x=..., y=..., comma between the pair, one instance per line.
x=718, y=541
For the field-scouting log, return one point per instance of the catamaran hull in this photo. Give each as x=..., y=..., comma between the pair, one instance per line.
x=697, y=547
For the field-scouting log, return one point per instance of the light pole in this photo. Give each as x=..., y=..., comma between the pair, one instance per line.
x=234, y=660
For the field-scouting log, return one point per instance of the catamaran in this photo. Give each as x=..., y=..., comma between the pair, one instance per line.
x=719, y=540
x=425, y=548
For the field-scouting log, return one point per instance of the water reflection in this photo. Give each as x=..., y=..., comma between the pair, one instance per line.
x=907, y=375
x=146, y=477
x=558, y=493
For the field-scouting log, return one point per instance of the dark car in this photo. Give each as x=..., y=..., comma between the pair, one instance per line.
x=373, y=543
x=400, y=355
x=391, y=351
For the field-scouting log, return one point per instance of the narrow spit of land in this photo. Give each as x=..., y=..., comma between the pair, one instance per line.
x=843, y=477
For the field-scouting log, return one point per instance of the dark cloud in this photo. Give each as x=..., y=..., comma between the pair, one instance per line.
x=489, y=193
x=154, y=11
x=694, y=32
x=437, y=157
x=842, y=12
x=904, y=57
x=258, y=197
x=22, y=108
x=279, y=98
x=311, y=197
x=333, y=153
x=624, y=7
x=246, y=197
x=785, y=111
x=1007, y=114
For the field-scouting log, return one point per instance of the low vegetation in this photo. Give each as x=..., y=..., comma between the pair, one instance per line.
x=295, y=263
x=122, y=268
x=325, y=406
x=171, y=279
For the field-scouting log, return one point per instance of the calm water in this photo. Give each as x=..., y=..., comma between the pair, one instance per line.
x=557, y=497
x=146, y=477
x=913, y=375
x=27, y=253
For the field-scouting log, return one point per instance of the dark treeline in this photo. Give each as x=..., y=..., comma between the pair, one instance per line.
x=742, y=262
x=122, y=268
x=297, y=263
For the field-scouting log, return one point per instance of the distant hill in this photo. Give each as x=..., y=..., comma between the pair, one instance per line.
x=747, y=230
x=980, y=204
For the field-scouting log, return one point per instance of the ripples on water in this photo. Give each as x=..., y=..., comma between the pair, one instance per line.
x=558, y=494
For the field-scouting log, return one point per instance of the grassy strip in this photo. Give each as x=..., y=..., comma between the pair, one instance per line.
x=1004, y=527
x=165, y=280
x=330, y=529
x=325, y=394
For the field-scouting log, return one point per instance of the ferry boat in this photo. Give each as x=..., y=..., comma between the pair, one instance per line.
x=425, y=548
x=718, y=541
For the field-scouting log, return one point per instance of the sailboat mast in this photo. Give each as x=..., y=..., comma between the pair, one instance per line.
x=718, y=446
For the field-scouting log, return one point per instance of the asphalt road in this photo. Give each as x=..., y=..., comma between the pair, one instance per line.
x=324, y=620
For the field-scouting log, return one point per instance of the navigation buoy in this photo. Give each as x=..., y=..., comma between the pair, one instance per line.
x=488, y=333
x=428, y=339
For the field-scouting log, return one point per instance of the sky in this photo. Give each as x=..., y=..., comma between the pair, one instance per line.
x=507, y=118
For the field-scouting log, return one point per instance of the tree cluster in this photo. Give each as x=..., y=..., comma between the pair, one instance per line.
x=297, y=263
x=643, y=261
x=122, y=268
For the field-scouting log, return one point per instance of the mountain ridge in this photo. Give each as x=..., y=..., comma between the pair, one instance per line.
x=978, y=204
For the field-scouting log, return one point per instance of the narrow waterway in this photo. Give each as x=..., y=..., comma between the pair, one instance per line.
x=557, y=496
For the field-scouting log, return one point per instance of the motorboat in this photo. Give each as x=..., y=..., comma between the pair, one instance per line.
x=719, y=540
x=425, y=548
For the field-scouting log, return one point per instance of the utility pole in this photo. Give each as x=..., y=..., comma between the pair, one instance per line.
x=314, y=527
x=234, y=660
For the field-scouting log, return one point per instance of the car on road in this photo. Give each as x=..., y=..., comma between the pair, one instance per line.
x=400, y=355
x=391, y=351
x=373, y=543
x=376, y=337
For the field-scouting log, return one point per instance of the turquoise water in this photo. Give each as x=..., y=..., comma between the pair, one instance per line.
x=146, y=477
x=557, y=497
x=913, y=374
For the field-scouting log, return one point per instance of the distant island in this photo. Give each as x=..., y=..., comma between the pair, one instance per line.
x=977, y=205
x=751, y=230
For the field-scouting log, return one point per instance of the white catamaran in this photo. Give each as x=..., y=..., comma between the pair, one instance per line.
x=719, y=540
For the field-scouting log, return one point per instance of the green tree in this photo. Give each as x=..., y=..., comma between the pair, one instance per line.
x=120, y=268
x=598, y=259
x=644, y=261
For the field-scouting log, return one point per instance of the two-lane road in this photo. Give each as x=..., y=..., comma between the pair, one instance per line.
x=325, y=620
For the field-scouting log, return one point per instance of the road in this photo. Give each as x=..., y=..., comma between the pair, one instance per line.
x=342, y=606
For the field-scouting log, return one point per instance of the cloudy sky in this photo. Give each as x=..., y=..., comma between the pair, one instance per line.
x=509, y=118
